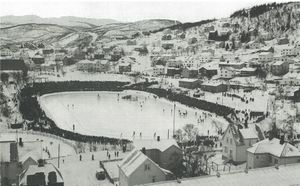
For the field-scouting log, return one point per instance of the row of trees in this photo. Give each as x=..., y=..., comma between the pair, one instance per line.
x=256, y=10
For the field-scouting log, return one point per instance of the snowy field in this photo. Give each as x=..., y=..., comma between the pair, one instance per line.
x=107, y=114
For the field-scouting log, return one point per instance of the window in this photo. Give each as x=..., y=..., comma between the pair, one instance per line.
x=225, y=149
x=275, y=161
x=153, y=179
x=227, y=140
x=231, y=141
x=147, y=167
x=257, y=157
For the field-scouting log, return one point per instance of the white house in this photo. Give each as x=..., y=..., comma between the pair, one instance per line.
x=236, y=141
x=159, y=70
x=289, y=51
x=265, y=57
x=227, y=72
x=270, y=152
x=137, y=169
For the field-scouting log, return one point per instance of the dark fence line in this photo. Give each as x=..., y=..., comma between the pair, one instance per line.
x=31, y=110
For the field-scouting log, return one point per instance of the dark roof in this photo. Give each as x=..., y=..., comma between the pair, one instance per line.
x=12, y=64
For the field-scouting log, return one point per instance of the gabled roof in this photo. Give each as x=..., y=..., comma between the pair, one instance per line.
x=46, y=169
x=134, y=160
x=239, y=135
x=274, y=148
x=161, y=145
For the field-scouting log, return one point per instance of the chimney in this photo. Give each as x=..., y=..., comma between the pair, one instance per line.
x=144, y=150
x=158, y=138
x=20, y=142
x=281, y=140
x=41, y=163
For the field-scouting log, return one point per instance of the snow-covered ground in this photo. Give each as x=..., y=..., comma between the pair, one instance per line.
x=106, y=115
x=83, y=76
x=49, y=142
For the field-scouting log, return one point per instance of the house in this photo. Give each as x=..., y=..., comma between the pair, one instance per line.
x=131, y=42
x=189, y=83
x=167, y=46
x=41, y=174
x=208, y=70
x=68, y=60
x=9, y=161
x=85, y=65
x=48, y=51
x=124, y=67
x=205, y=57
x=137, y=169
x=227, y=72
x=171, y=71
x=16, y=158
x=270, y=152
x=290, y=79
x=296, y=96
x=209, y=28
x=235, y=142
x=234, y=64
x=101, y=66
x=213, y=86
x=265, y=57
x=253, y=44
x=159, y=70
x=248, y=71
x=289, y=51
x=176, y=63
x=192, y=40
x=279, y=68
x=283, y=41
x=38, y=59
x=10, y=67
x=166, y=37
x=280, y=57
x=189, y=72
x=165, y=152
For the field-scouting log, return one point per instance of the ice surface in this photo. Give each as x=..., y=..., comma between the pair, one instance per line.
x=106, y=115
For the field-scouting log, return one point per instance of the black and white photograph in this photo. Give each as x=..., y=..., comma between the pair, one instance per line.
x=149, y=93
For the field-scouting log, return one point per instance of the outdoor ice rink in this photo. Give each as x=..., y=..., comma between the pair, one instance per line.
x=107, y=114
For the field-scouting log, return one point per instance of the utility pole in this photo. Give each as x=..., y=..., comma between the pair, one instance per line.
x=174, y=119
x=58, y=155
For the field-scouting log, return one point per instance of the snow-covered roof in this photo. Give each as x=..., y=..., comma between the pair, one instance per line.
x=275, y=148
x=130, y=163
x=212, y=83
x=134, y=160
x=284, y=175
x=248, y=69
x=161, y=145
x=249, y=133
x=46, y=169
x=278, y=63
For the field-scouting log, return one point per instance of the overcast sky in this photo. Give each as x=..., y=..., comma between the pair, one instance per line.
x=121, y=10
